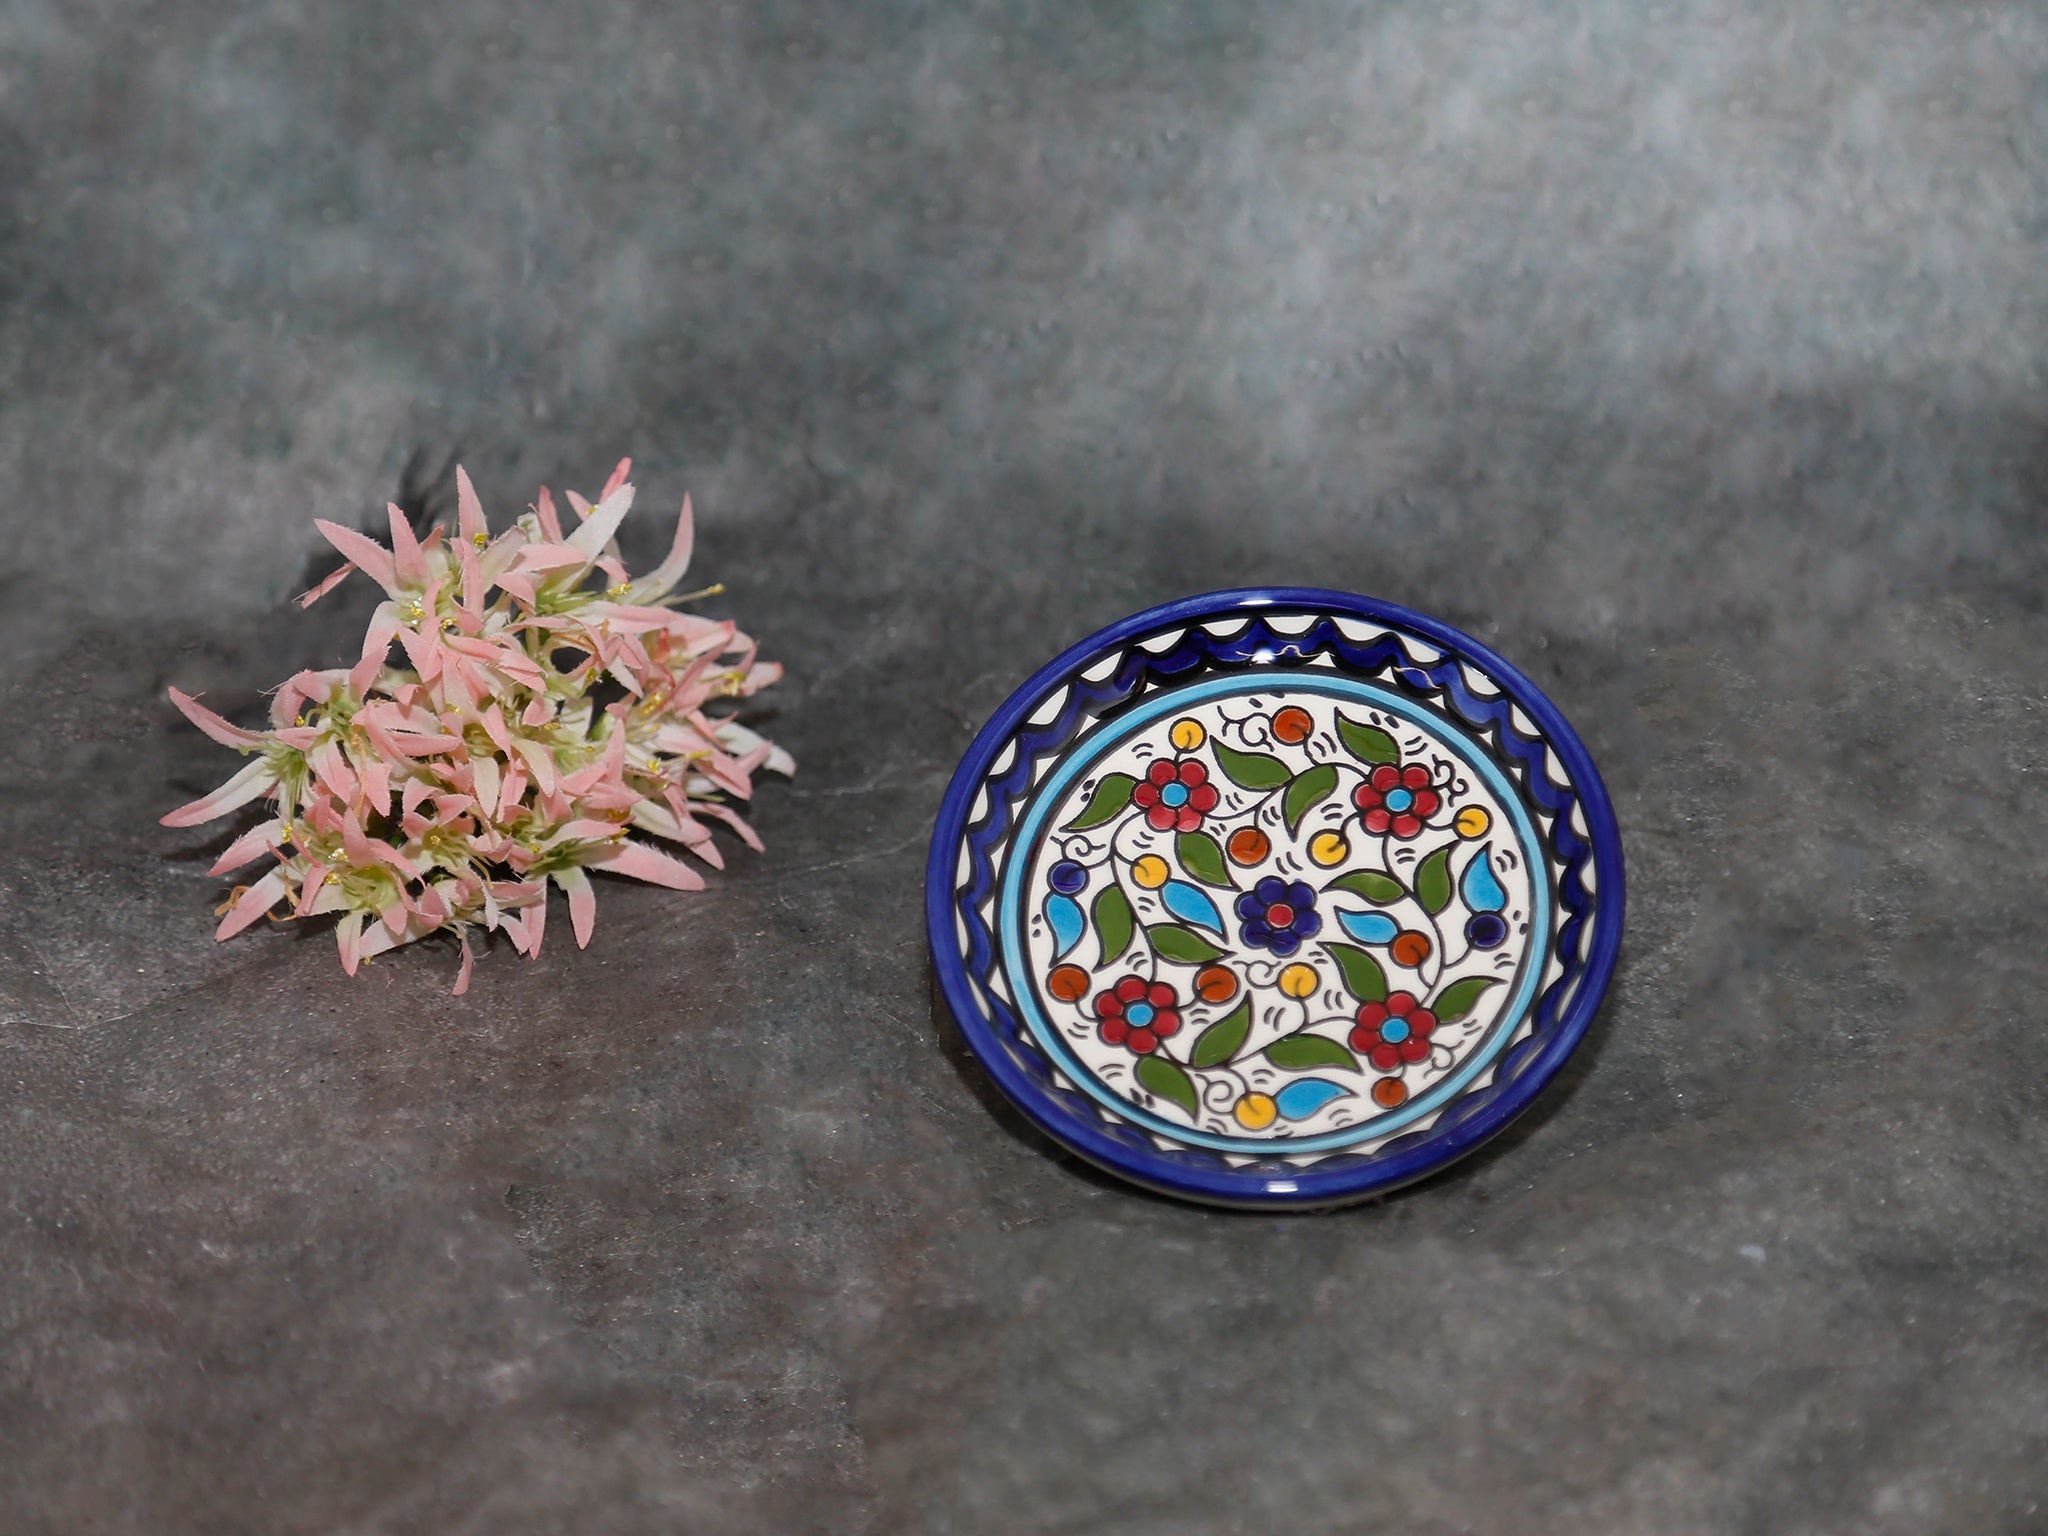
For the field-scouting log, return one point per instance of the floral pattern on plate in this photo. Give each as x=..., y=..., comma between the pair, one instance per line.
x=1278, y=910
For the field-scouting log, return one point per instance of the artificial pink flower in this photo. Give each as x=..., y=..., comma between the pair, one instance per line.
x=445, y=793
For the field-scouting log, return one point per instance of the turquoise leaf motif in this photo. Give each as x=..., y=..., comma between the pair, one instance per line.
x=1305, y=1095
x=1480, y=888
x=1063, y=913
x=1191, y=905
x=1369, y=927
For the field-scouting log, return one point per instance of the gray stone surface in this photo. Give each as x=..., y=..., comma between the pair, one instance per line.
x=1691, y=353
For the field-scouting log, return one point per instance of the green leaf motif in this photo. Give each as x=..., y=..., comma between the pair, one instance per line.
x=1460, y=997
x=1363, y=978
x=1250, y=770
x=1164, y=1078
x=1381, y=890
x=1310, y=788
x=1201, y=856
x=1367, y=743
x=1114, y=923
x=1112, y=794
x=1297, y=1053
x=1433, y=881
x=1181, y=945
x=1223, y=1039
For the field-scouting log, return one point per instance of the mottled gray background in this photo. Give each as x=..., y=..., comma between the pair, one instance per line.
x=1692, y=354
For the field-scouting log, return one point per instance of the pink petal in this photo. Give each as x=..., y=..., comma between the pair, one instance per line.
x=511, y=791
x=661, y=820
x=624, y=619
x=407, y=562
x=254, y=780
x=485, y=780
x=257, y=840
x=728, y=775
x=384, y=628
x=731, y=818
x=546, y=557
x=348, y=939
x=468, y=964
x=506, y=658
x=423, y=651
x=583, y=829
x=253, y=903
x=535, y=925
x=471, y=513
x=494, y=727
x=376, y=939
x=650, y=864
x=366, y=555
x=544, y=509
x=540, y=762
x=214, y=726
x=364, y=850
x=670, y=571
x=298, y=689
x=404, y=745
x=460, y=686
x=332, y=771
x=377, y=786
x=327, y=585
x=618, y=478
x=474, y=588
x=414, y=792
x=603, y=522
x=582, y=902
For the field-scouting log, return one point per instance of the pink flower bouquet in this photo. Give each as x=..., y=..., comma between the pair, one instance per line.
x=447, y=792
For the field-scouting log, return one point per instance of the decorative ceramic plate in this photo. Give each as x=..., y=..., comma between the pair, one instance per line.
x=1275, y=898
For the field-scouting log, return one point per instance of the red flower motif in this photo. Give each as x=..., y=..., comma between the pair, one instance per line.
x=1394, y=1032
x=1138, y=1014
x=1175, y=796
x=1396, y=800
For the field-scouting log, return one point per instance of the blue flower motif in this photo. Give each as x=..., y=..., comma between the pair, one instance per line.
x=1278, y=916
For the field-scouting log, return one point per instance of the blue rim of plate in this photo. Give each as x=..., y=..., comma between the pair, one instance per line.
x=963, y=944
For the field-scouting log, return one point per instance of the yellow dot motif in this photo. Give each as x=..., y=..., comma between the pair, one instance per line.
x=1298, y=980
x=1255, y=1111
x=1328, y=849
x=1150, y=872
x=1472, y=822
x=1188, y=735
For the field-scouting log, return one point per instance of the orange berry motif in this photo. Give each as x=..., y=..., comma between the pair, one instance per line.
x=1292, y=725
x=1215, y=984
x=1248, y=845
x=1390, y=1093
x=1409, y=949
x=1069, y=983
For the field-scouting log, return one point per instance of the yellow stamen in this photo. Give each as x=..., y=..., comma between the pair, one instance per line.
x=480, y=540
